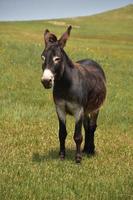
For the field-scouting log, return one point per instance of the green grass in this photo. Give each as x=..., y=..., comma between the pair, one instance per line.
x=29, y=164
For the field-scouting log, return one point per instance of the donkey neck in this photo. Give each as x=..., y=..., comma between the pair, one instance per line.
x=67, y=60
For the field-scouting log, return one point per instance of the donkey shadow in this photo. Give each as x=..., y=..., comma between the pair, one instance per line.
x=54, y=155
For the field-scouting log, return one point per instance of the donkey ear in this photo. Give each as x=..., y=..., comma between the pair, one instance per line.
x=64, y=37
x=49, y=38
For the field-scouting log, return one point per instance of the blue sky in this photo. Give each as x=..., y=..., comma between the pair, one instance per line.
x=48, y=9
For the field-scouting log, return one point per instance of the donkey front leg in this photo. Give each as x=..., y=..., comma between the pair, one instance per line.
x=78, y=137
x=62, y=128
x=62, y=137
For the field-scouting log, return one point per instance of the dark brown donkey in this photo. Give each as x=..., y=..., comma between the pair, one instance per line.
x=78, y=89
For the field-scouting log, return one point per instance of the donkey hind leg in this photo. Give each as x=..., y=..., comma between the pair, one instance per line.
x=90, y=124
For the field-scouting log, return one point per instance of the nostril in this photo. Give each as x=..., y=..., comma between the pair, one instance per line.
x=50, y=80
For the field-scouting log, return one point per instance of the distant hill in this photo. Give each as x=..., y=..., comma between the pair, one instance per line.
x=120, y=13
x=118, y=22
x=113, y=25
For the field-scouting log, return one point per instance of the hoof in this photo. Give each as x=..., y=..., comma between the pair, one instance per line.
x=89, y=151
x=78, y=159
x=62, y=155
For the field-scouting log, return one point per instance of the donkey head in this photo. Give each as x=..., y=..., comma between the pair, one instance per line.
x=53, y=57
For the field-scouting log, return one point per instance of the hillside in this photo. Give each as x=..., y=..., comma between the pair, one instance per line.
x=114, y=24
x=29, y=164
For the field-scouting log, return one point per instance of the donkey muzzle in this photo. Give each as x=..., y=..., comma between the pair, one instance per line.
x=47, y=83
x=47, y=79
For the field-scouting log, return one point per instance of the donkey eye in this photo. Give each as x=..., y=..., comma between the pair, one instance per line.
x=43, y=58
x=56, y=59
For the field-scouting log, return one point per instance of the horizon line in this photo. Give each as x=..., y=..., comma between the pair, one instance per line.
x=70, y=17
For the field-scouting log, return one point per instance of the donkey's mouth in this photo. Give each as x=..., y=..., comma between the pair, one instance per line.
x=46, y=84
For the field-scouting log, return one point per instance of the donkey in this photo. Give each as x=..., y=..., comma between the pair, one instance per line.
x=79, y=89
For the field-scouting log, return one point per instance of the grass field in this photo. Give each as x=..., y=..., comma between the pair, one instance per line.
x=29, y=164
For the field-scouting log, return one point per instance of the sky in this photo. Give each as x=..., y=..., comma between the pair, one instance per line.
x=12, y=10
